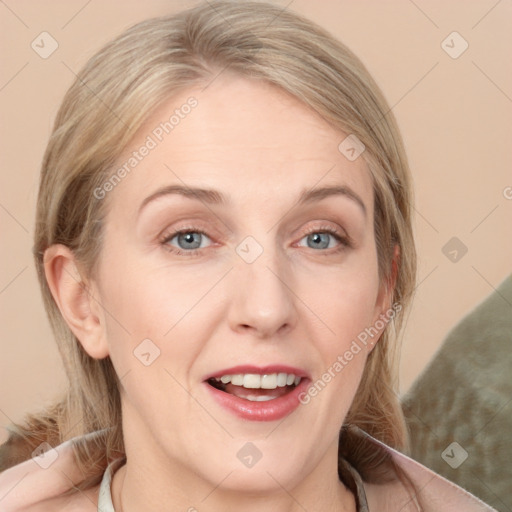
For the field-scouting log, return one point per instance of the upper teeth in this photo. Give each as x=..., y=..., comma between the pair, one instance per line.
x=255, y=381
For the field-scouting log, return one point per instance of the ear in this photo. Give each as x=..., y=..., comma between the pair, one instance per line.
x=383, y=305
x=77, y=300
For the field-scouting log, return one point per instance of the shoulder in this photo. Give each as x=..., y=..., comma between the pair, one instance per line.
x=85, y=501
x=39, y=484
x=429, y=492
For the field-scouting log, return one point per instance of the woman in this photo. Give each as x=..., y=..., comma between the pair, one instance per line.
x=225, y=251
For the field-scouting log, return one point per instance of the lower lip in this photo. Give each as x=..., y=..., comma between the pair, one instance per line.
x=269, y=410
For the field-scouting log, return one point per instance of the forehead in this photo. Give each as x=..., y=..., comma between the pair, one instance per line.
x=245, y=137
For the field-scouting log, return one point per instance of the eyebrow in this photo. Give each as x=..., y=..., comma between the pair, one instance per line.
x=211, y=196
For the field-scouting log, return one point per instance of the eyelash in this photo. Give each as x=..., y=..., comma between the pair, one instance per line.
x=344, y=240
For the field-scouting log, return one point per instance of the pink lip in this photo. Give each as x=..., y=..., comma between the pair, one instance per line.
x=263, y=370
x=270, y=410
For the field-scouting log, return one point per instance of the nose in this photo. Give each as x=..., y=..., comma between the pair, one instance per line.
x=263, y=303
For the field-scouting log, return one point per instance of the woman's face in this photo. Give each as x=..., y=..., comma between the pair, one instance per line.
x=277, y=277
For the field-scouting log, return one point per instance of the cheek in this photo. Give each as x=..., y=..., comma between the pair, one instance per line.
x=343, y=298
x=344, y=302
x=155, y=309
x=155, y=332
x=148, y=332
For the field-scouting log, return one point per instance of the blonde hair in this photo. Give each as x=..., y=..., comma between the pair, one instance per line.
x=113, y=95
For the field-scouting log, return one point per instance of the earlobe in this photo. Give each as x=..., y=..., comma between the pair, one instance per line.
x=75, y=300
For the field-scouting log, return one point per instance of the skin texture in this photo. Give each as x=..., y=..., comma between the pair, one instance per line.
x=296, y=304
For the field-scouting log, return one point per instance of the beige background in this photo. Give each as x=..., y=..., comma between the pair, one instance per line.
x=455, y=115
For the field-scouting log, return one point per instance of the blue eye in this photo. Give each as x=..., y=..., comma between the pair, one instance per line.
x=319, y=240
x=188, y=241
x=322, y=238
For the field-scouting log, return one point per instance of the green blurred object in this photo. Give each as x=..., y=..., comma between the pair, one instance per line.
x=464, y=396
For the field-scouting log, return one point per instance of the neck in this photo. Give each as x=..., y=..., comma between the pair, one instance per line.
x=130, y=493
x=144, y=485
x=152, y=480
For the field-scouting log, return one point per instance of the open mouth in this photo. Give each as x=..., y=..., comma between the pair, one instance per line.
x=255, y=387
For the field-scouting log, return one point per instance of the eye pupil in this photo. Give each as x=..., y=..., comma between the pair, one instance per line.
x=190, y=238
x=317, y=240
